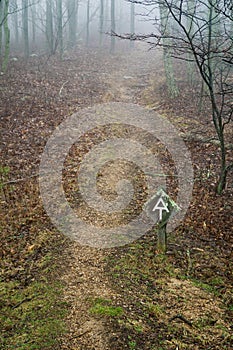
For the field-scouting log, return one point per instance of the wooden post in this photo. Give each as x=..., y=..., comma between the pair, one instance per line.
x=162, y=224
x=161, y=208
x=162, y=238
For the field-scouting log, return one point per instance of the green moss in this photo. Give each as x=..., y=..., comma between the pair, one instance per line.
x=103, y=307
x=205, y=286
x=154, y=309
x=132, y=344
x=216, y=281
x=32, y=317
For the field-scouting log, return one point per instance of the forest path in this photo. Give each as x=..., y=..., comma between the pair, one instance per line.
x=36, y=97
x=88, y=286
x=134, y=75
x=85, y=276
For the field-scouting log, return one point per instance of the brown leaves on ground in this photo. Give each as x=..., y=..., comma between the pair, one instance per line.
x=35, y=98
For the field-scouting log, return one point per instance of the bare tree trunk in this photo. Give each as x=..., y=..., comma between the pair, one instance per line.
x=33, y=22
x=113, y=26
x=101, y=22
x=218, y=123
x=191, y=6
x=88, y=23
x=49, y=27
x=1, y=24
x=72, y=8
x=25, y=27
x=132, y=22
x=213, y=29
x=6, y=37
x=15, y=23
x=224, y=170
x=168, y=64
x=106, y=15
x=60, y=27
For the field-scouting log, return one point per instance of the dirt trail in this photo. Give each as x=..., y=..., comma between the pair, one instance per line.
x=134, y=75
x=85, y=278
x=131, y=80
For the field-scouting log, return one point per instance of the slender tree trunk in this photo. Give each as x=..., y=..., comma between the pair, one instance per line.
x=101, y=22
x=6, y=37
x=33, y=12
x=16, y=23
x=213, y=64
x=218, y=123
x=223, y=173
x=168, y=63
x=231, y=31
x=1, y=24
x=214, y=33
x=49, y=27
x=201, y=98
x=113, y=26
x=106, y=15
x=88, y=23
x=25, y=27
x=60, y=28
x=132, y=22
x=191, y=4
x=72, y=8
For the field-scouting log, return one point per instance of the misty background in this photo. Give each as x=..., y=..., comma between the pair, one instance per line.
x=50, y=25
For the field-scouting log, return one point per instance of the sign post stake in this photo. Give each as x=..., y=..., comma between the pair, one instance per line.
x=161, y=207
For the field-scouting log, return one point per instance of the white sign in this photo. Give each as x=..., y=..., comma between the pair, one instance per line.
x=161, y=205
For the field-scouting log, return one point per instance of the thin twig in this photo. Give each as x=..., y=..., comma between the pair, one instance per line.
x=62, y=87
x=21, y=302
x=161, y=175
x=19, y=180
x=182, y=318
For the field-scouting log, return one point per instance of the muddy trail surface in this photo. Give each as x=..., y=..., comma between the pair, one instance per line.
x=128, y=297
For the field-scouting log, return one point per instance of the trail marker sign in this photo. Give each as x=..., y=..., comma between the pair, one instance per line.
x=160, y=205
x=160, y=208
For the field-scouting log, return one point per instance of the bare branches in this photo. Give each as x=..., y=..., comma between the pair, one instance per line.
x=201, y=32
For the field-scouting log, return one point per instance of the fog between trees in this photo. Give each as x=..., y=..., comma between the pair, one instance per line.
x=50, y=25
x=198, y=32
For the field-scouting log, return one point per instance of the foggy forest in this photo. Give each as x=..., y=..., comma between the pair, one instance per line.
x=116, y=174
